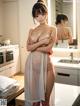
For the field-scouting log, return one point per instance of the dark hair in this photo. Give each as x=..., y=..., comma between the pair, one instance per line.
x=40, y=1
x=61, y=17
x=39, y=8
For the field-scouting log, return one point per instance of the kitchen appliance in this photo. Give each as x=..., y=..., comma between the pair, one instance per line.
x=6, y=42
x=9, y=56
x=1, y=58
x=6, y=57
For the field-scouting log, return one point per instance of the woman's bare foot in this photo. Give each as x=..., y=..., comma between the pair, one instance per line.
x=36, y=104
x=45, y=103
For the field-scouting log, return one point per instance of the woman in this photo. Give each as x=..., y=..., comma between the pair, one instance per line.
x=39, y=72
x=64, y=36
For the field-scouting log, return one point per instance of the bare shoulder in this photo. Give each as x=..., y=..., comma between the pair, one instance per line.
x=33, y=29
x=30, y=30
x=53, y=31
x=68, y=29
x=52, y=28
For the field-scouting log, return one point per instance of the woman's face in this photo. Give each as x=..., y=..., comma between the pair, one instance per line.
x=41, y=18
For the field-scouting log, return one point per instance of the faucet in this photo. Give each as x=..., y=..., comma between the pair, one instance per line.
x=71, y=55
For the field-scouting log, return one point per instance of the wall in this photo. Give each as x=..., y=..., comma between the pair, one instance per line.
x=17, y=20
x=25, y=23
x=68, y=10
x=78, y=22
x=1, y=30
x=63, y=52
x=10, y=20
x=53, y=12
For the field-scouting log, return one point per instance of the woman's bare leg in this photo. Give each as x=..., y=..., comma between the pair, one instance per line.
x=49, y=86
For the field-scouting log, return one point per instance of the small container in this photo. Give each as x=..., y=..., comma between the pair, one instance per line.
x=7, y=42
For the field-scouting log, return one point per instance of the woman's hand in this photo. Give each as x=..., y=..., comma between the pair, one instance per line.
x=34, y=46
x=43, y=49
x=45, y=41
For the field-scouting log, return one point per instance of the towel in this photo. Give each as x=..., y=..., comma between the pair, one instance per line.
x=8, y=86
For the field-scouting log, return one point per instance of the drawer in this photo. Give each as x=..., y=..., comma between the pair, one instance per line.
x=79, y=77
x=66, y=70
x=66, y=78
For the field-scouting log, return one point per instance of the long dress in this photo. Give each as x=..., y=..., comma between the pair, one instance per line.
x=35, y=77
x=36, y=67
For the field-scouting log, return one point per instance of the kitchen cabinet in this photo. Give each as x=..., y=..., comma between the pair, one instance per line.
x=67, y=75
x=79, y=78
x=13, y=67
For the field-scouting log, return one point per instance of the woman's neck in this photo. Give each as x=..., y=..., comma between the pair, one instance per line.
x=60, y=25
x=43, y=23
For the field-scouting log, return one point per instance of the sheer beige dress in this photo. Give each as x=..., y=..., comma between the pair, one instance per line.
x=36, y=68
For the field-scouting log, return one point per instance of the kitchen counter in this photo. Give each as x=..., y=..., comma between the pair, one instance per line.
x=8, y=46
x=20, y=78
x=55, y=61
x=65, y=95
x=66, y=49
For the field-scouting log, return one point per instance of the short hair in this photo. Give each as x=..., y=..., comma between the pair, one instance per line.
x=61, y=17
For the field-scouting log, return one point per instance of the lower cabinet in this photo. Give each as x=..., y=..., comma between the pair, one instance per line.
x=8, y=70
x=67, y=75
x=79, y=77
x=11, y=103
x=11, y=61
x=20, y=100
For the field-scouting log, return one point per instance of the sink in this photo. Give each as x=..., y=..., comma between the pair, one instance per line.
x=69, y=61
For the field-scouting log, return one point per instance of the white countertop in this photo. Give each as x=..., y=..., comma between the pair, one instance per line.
x=65, y=95
x=66, y=49
x=55, y=61
x=8, y=46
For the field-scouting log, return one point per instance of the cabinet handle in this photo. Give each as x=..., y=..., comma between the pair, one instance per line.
x=63, y=74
